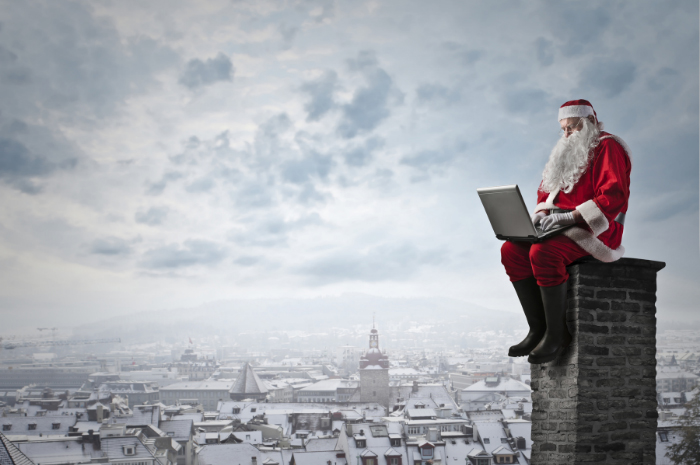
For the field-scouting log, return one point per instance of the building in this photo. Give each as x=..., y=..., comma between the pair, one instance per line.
x=374, y=373
x=207, y=393
x=329, y=390
x=492, y=389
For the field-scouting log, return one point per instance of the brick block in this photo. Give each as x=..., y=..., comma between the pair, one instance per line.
x=614, y=317
x=626, y=372
x=610, y=382
x=610, y=340
x=611, y=361
x=612, y=426
x=628, y=415
x=643, y=296
x=627, y=351
x=611, y=294
x=592, y=304
x=594, y=350
x=645, y=341
x=622, y=329
x=626, y=392
x=594, y=329
x=625, y=306
x=643, y=319
x=612, y=447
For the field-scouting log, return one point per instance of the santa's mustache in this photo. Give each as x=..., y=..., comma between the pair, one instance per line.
x=569, y=158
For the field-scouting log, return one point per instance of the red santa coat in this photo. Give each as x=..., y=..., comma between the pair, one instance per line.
x=600, y=195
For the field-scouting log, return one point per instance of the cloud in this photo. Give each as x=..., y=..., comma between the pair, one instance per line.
x=71, y=65
x=288, y=33
x=273, y=230
x=462, y=54
x=111, y=246
x=200, y=73
x=21, y=169
x=545, y=51
x=154, y=216
x=380, y=263
x=428, y=93
x=158, y=187
x=578, y=27
x=363, y=154
x=303, y=170
x=608, y=76
x=15, y=160
x=203, y=184
x=526, y=101
x=370, y=104
x=190, y=253
x=321, y=91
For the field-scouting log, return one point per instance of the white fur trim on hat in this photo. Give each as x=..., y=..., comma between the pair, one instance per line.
x=594, y=246
x=573, y=111
x=593, y=216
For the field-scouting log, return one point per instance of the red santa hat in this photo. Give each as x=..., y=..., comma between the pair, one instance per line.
x=577, y=108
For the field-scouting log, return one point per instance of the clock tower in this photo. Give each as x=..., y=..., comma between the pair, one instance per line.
x=374, y=373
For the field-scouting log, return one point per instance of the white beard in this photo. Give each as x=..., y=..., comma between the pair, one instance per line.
x=569, y=158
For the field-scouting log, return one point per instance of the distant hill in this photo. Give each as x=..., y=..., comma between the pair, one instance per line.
x=348, y=317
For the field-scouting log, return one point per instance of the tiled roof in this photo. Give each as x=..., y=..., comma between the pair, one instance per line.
x=248, y=382
x=10, y=454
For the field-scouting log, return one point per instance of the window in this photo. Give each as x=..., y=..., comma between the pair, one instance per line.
x=247, y=436
x=6, y=427
x=31, y=426
x=55, y=425
x=414, y=430
x=487, y=441
x=360, y=443
x=369, y=461
x=395, y=442
x=426, y=453
x=504, y=441
x=663, y=436
x=129, y=450
x=394, y=460
x=483, y=462
x=236, y=410
x=254, y=409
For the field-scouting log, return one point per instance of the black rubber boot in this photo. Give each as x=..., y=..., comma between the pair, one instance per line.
x=531, y=299
x=557, y=336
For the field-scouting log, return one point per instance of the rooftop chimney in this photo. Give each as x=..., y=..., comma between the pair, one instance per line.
x=597, y=403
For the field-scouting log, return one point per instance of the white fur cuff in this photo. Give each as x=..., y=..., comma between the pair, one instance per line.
x=593, y=245
x=593, y=217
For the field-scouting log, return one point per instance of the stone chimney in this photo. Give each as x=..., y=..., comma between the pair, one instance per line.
x=597, y=402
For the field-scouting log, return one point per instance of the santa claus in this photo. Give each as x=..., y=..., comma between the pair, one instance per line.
x=585, y=184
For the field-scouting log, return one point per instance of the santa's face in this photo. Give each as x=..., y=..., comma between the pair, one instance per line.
x=570, y=125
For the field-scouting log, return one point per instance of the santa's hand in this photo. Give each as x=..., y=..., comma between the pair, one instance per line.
x=557, y=219
x=537, y=217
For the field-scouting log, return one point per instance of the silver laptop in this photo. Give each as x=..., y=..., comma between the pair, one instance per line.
x=509, y=216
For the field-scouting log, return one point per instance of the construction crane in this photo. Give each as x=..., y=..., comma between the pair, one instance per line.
x=19, y=345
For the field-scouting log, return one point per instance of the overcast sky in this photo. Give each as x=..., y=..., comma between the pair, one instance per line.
x=175, y=153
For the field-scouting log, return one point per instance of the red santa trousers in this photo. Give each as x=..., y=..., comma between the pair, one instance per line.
x=546, y=260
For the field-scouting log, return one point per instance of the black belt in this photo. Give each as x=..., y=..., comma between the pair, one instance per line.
x=620, y=218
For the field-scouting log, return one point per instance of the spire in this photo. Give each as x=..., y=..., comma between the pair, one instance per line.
x=248, y=383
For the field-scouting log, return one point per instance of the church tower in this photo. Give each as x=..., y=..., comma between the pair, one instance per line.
x=374, y=373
